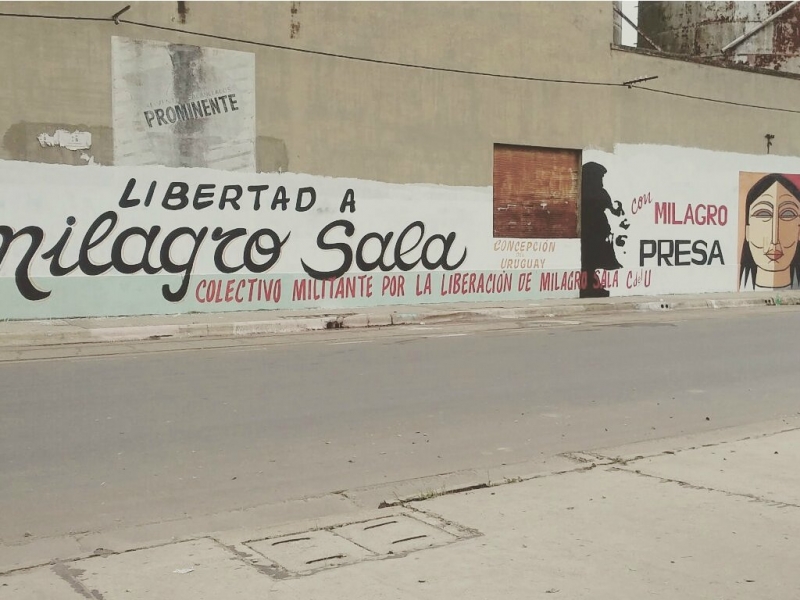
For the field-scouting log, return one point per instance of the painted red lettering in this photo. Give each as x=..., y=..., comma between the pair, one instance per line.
x=702, y=214
x=239, y=288
x=211, y=290
x=203, y=283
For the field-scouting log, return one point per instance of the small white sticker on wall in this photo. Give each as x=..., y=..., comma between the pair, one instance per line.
x=75, y=140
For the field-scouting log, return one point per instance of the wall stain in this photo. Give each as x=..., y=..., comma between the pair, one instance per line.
x=182, y=11
x=271, y=155
x=188, y=77
x=294, y=27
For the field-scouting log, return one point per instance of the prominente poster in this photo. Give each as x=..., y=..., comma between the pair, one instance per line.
x=182, y=106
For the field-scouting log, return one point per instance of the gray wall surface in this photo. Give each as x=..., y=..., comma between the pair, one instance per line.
x=327, y=115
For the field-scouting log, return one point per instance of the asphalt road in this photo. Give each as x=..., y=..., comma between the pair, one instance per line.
x=159, y=431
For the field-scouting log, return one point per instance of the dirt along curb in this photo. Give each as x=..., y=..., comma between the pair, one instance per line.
x=75, y=331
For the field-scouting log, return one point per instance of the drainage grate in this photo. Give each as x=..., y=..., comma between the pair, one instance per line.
x=310, y=551
x=395, y=535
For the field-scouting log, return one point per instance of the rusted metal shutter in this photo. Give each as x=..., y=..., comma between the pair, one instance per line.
x=536, y=192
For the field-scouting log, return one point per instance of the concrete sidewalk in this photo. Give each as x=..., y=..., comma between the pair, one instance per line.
x=236, y=324
x=715, y=515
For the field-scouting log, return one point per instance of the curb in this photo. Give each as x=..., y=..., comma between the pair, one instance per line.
x=61, y=333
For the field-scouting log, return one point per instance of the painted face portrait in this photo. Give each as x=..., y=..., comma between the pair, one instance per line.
x=772, y=233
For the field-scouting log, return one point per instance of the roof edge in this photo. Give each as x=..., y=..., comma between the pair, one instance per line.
x=706, y=62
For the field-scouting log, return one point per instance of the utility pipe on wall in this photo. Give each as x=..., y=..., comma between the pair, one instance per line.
x=760, y=26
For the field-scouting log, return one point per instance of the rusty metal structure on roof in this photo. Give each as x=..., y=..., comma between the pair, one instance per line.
x=758, y=34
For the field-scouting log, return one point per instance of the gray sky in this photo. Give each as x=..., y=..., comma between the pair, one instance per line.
x=628, y=33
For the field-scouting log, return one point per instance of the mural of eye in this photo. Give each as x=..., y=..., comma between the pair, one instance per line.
x=789, y=214
x=763, y=213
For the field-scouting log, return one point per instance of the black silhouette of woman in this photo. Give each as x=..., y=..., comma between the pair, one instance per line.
x=597, y=242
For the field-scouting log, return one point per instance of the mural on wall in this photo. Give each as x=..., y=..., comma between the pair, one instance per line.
x=769, y=217
x=182, y=106
x=150, y=240
x=668, y=230
x=104, y=240
x=597, y=239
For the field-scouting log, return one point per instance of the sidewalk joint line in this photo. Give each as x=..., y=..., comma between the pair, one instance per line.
x=693, y=486
x=625, y=461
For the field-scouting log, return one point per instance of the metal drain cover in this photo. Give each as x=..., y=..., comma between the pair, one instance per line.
x=310, y=551
x=395, y=535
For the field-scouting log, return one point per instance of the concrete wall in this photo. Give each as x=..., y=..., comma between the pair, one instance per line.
x=118, y=240
x=325, y=115
x=653, y=118
x=334, y=124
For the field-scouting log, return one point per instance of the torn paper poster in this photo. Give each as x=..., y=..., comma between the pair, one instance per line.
x=76, y=140
x=183, y=106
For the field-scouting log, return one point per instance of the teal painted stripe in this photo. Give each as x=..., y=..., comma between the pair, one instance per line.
x=118, y=295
